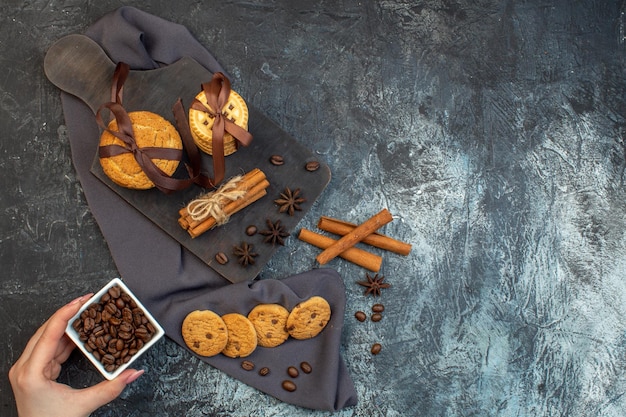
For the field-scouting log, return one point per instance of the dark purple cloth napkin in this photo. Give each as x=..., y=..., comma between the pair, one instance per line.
x=169, y=280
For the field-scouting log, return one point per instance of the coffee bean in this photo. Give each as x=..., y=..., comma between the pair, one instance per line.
x=377, y=317
x=306, y=368
x=143, y=333
x=378, y=308
x=101, y=342
x=108, y=359
x=112, y=346
x=112, y=309
x=360, y=316
x=92, y=342
x=106, y=316
x=292, y=371
x=221, y=258
x=126, y=327
x=115, y=321
x=251, y=230
x=115, y=291
x=312, y=166
x=137, y=318
x=289, y=386
x=76, y=325
x=127, y=314
x=277, y=160
x=247, y=365
x=264, y=371
x=119, y=303
x=376, y=347
x=89, y=324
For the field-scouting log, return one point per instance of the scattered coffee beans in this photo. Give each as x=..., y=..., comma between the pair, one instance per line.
x=306, y=368
x=114, y=328
x=247, y=365
x=292, y=371
x=312, y=166
x=221, y=258
x=251, y=230
x=289, y=386
x=377, y=317
x=376, y=347
x=277, y=160
x=360, y=316
x=378, y=308
x=264, y=371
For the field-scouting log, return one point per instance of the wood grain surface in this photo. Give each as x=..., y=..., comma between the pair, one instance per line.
x=492, y=130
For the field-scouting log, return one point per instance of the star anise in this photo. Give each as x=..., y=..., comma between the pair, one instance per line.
x=289, y=201
x=275, y=233
x=374, y=284
x=245, y=253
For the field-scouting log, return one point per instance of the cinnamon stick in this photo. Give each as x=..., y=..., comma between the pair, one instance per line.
x=183, y=222
x=340, y=227
x=248, y=180
x=231, y=208
x=357, y=256
x=354, y=236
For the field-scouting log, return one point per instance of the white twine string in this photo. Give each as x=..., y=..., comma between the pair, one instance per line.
x=212, y=204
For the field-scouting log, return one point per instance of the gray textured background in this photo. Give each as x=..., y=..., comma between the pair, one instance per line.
x=492, y=130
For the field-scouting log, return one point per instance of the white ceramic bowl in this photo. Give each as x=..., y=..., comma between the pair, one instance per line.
x=73, y=334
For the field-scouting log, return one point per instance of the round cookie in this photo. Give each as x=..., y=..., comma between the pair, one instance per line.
x=242, y=339
x=150, y=130
x=201, y=123
x=205, y=332
x=269, y=321
x=308, y=318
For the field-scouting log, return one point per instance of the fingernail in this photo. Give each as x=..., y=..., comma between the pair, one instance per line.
x=132, y=377
x=80, y=299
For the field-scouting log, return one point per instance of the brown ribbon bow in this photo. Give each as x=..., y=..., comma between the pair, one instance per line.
x=144, y=155
x=217, y=93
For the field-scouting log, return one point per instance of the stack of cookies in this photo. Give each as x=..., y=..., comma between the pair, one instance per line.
x=267, y=325
x=201, y=123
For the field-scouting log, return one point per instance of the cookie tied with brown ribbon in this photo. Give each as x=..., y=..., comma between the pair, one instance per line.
x=153, y=136
x=204, y=119
x=218, y=119
x=141, y=149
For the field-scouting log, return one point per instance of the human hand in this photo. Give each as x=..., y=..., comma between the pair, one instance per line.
x=33, y=376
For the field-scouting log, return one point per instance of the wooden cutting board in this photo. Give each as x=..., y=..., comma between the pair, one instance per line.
x=79, y=66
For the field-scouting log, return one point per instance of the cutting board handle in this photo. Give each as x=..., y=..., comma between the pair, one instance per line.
x=89, y=75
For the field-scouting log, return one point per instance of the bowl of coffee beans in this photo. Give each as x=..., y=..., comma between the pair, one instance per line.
x=113, y=329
